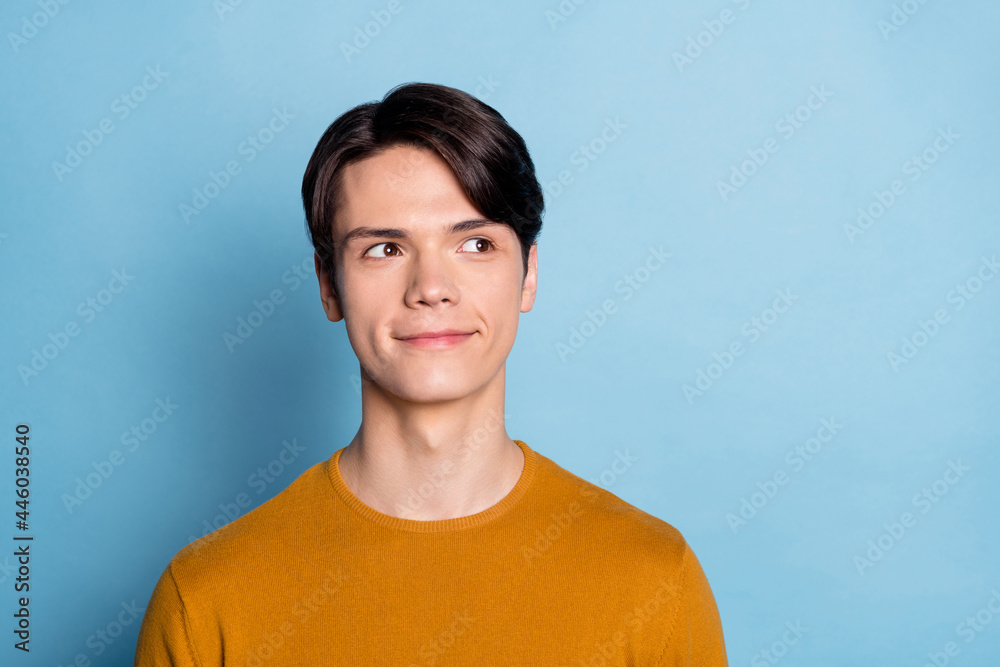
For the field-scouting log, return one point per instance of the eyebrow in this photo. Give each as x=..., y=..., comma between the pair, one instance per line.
x=392, y=233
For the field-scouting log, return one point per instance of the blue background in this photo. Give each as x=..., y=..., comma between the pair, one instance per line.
x=558, y=76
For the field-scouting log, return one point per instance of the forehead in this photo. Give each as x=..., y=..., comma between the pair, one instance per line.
x=400, y=178
x=401, y=186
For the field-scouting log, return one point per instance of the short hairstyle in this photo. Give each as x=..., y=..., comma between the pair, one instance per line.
x=487, y=156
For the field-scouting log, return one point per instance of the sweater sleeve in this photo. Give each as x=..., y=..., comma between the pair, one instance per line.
x=695, y=638
x=164, y=636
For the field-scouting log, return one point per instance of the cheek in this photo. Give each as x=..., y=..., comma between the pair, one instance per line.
x=503, y=303
x=358, y=294
x=360, y=307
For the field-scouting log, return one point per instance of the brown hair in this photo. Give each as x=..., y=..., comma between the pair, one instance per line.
x=488, y=157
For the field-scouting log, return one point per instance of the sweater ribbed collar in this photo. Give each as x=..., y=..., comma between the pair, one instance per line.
x=438, y=526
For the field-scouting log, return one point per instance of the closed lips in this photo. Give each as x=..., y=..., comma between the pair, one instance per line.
x=439, y=334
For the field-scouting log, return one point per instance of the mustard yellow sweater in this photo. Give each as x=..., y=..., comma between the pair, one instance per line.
x=559, y=572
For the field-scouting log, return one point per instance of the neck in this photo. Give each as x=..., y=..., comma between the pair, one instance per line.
x=431, y=461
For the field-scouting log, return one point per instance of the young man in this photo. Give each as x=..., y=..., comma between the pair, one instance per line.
x=432, y=538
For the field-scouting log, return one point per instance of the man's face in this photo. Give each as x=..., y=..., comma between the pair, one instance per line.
x=411, y=273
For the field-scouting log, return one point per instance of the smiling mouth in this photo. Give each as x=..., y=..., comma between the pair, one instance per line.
x=438, y=342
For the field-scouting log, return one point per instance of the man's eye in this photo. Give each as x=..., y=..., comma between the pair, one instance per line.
x=486, y=246
x=368, y=252
x=487, y=242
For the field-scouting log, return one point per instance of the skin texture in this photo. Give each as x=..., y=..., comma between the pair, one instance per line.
x=422, y=407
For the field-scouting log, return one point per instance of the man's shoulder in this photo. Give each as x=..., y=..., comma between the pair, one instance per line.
x=268, y=528
x=606, y=516
x=642, y=566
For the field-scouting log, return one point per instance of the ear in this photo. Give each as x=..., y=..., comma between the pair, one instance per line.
x=529, y=285
x=331, y=304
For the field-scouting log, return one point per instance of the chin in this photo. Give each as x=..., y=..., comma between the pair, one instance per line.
x=432, y=388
